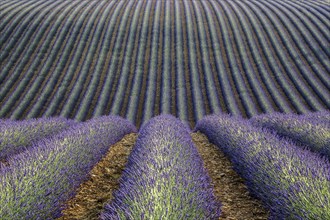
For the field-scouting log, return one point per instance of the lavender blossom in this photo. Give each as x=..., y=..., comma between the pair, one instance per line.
x=321, y=116
x=38, y=181
x=292, y=182
x=164, y=177
x=15, y=136
x=310, y=131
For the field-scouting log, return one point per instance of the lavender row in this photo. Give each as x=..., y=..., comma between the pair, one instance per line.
x=305, y=130
x=293, y=183
x=323, y=116
x=37, y=182
x=164, y=177
x=15, y=136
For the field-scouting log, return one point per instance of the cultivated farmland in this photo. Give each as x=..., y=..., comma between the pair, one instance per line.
x=138, y=59
x=98, y=99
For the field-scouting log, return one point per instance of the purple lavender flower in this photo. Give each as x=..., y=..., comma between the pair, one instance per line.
x=39, y=180
x=15, y=136
x=307, y=130
x=292, y=182
x=164, y=177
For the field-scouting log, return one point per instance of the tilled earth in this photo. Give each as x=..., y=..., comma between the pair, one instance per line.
x=229, y=188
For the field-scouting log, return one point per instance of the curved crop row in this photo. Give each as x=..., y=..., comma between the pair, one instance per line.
x=164, y=177
x=46, y=81
x=265, y=73
x=9, y=12
x=17, y=45
x=137, y=81
x=313, y=133
x=119, y=46
x=104, y=45
x=221, y=68
x=283, y=48
x=292, y=182
x=151, y=81
x=241, y=87
x=85, y=48
x=138, y=59
x=301, y=56
x=65, y=62
x=29, y=85
x=250, y=73
x=123, y=81
x=37, y=182
x=322, y=116
x=18, y=135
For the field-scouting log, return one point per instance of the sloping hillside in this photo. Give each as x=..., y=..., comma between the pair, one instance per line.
x=137, y=59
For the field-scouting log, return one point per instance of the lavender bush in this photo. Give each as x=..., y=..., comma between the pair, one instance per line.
x=15, y=136
x=38, y=181
x=164, y=177
x=292, y=182
x=321, y=116
x=311, y=131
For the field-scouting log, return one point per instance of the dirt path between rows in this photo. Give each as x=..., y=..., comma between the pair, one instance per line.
x=93, y=194
x=228, y=186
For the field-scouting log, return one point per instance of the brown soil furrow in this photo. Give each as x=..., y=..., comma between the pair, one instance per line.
x=109, y=55
x=134, y=54
x=269, y=73
x=212, y=60
x=94, y=193
x=229, y=187
x=248, y=52
x=71, y=56
x=143, y=88
x=41, y=62
x=119, y=65
x=188, y=85
x=84, y=60
x=202, y=77
x=173, y=60
x=237, y=55
x=96, y=59
x=21, y=57
x=225, y=57
x=158, y=83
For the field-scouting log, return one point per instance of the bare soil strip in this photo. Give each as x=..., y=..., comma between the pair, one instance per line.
x=93, y=194
x=229, y=187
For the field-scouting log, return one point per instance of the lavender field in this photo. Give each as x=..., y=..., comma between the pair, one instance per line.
x=76, y=77
x=139, y=59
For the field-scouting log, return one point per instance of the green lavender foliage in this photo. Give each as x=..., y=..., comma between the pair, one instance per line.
x=164, y=177
x=313, y=132
x=292, y=182
x=38, y=181
x=15, y=136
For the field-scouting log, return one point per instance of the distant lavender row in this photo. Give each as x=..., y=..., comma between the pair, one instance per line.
x=309, y=131
x=323, y=116
x=37, y=182
x=293, y=183
x=15, y=136
x=82, y=59
x=164, y=177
